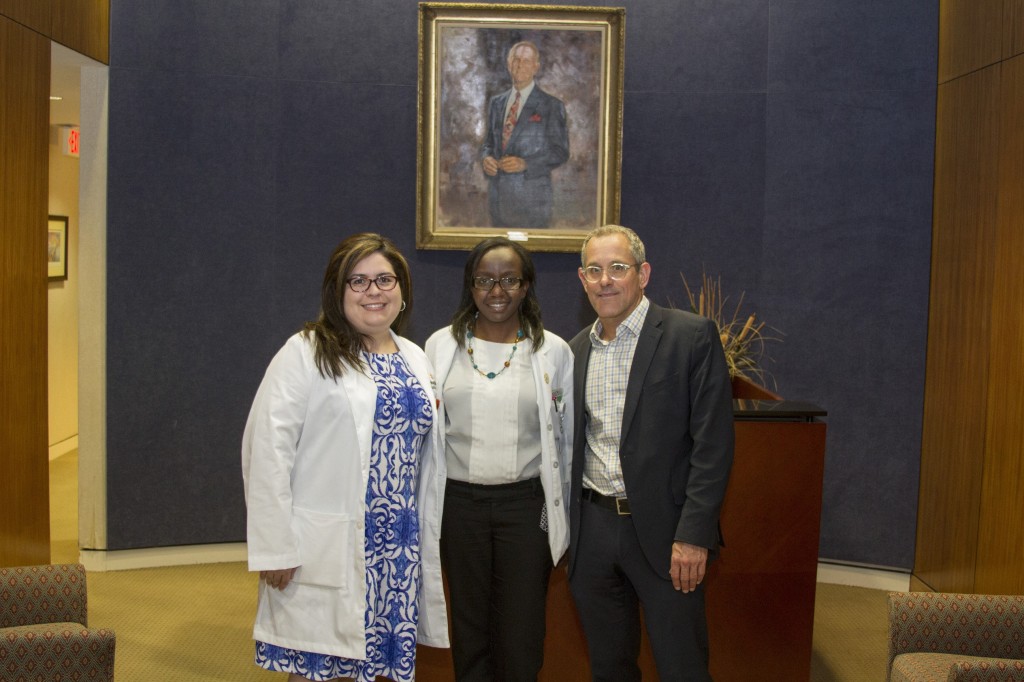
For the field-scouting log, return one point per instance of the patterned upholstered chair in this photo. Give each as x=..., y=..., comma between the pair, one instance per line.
x=43, y=627
x=955, y=637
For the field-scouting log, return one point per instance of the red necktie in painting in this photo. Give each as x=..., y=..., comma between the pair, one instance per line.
x=510, y=122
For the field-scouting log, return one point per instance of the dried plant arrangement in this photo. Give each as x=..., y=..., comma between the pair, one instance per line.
x=743, y=336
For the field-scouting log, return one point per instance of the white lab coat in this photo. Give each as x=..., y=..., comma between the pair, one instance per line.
x=552, y=375
x=305, y=466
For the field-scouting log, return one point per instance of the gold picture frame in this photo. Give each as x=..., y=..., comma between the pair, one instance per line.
x=555, y=170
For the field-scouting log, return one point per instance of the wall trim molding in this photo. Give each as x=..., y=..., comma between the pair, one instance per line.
x=63, y=447
x=98, y=560
x=871, y=577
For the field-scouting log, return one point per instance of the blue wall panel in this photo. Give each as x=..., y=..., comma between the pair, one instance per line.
x=867, y=45
x=846, y=268
x=785, y=145
x=229, y=37
x=693, y=169
x=191, y=203
x=698, y=45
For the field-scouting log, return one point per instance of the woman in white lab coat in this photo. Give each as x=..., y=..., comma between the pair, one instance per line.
x=506, y=391
x=343, y=483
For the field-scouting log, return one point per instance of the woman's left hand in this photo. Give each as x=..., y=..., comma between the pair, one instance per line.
x=278, y=579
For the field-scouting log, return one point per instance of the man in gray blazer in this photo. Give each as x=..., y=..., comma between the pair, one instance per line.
x=652, y=452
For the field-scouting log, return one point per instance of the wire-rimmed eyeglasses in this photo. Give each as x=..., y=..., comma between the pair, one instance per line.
x=361, y=283
x=508, y=283
x=616, y=271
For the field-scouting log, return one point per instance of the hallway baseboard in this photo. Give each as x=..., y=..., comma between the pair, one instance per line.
x=185, y=555
x=63, y=447
x=153, y=557
x=863, y=576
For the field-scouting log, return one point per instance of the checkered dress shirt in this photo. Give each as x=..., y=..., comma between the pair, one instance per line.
x=604, y=400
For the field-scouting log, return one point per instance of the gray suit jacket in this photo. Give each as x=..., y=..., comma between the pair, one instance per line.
x=677, y=434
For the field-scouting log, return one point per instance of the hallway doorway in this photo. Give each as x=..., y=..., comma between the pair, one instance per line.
x=76, y=191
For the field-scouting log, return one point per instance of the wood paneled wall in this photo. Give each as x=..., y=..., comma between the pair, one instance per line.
x=970, y=36
x=970, y=536
x=1013, y=37
x=81, y=25
x=26, y=28
x=24, y=139
x=30, y=13
x=1001, y=527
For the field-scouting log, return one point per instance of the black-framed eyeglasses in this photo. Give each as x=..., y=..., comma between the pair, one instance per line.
x=506, y=283
x=616, y=271
x=361, y=283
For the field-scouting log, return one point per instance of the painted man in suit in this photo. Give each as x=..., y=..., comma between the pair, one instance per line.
x=653, y=450
x=526, y=138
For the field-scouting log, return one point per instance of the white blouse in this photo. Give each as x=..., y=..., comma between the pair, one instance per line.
x=492, y=426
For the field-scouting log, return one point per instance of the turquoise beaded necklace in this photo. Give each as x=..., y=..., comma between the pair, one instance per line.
x=508, y=362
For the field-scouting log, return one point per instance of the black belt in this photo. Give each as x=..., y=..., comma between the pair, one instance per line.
x=619, y=505
x=515, y=490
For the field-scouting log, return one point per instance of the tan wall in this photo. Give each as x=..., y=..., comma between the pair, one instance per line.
x=970, y=537
x=62, y=309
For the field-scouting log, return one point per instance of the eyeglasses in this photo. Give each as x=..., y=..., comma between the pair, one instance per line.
x=506, y=283
x=361, y=283
x=616, y=271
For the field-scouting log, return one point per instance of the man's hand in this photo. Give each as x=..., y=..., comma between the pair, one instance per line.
x=512, y=164
x=490, y=166
x=278, y=579
x=689, y=562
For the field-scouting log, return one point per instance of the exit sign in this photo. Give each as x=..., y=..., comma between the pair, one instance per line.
x=69, y=139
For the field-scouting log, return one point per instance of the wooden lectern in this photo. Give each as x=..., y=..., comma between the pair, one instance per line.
x=760, y=590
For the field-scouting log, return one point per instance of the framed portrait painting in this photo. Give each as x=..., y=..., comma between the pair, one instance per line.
x=520, y=123
x=57, y=248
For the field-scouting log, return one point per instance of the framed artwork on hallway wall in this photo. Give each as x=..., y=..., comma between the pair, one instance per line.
x=57, y=248
x=520, y=123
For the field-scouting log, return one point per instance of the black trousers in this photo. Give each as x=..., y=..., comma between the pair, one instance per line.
x=497, y=561
x=611, y=577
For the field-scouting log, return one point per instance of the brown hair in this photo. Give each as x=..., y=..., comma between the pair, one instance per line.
x=336, y=343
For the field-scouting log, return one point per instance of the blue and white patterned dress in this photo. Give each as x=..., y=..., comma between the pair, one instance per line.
x=401, y=422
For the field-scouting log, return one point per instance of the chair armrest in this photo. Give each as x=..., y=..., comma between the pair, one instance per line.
x=31, y=595
x=967, y=624
x=988, y=669
x=65, y=651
